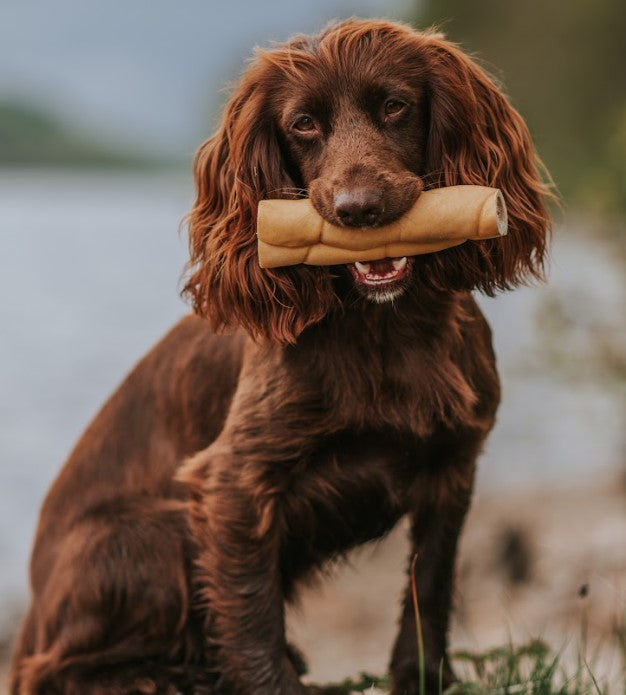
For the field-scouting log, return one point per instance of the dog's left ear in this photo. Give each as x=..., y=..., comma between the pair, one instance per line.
x=477, y=137
x=240, y=165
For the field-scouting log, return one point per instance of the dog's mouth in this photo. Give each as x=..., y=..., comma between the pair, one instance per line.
x=384, y=272
x=384, y=279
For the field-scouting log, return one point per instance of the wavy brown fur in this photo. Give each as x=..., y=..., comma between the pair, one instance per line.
x=321, y=423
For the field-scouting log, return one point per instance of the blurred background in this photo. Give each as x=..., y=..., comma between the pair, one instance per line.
x=101, y=108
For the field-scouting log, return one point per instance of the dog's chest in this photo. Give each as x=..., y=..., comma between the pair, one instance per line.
x=353, y=489
x=406, y=389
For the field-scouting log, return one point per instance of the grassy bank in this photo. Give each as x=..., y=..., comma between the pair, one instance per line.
x=532, y=669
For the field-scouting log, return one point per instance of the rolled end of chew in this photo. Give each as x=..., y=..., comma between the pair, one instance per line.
x=501, y=215
x=493, y=220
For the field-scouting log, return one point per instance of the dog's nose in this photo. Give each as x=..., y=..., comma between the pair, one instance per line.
x=359, y=207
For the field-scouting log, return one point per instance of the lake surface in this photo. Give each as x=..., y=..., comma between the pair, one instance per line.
x=89, y=274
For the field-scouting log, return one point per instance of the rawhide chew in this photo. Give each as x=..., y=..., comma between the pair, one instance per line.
x=291, y=231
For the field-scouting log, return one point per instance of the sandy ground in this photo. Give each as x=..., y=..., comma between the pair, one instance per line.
x=524, y=558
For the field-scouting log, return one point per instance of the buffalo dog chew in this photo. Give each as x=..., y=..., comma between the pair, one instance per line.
x=291, y=231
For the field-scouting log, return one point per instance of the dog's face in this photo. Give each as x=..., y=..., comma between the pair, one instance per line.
x=356, y=138
x=359, y=119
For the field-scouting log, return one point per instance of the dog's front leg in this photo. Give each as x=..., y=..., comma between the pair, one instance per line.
x=238, y=542
x=440, y=502
x=237, y=486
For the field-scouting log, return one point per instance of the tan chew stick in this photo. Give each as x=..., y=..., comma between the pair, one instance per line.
x=291, y=231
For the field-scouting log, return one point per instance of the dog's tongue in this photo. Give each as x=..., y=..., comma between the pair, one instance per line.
x=380, y=268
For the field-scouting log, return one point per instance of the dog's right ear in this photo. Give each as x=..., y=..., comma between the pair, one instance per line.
x=477, y=137
x=240, y=165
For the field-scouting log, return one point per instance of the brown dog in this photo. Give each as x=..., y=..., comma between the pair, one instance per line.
x=353, y=395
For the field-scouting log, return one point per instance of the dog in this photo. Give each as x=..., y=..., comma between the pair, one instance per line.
x=302, y=411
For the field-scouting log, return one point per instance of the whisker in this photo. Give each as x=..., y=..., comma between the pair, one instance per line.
x=290, y=190
x=436, y=178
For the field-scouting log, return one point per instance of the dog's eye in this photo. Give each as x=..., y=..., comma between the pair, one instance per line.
x=394, y=107
x=305, y=124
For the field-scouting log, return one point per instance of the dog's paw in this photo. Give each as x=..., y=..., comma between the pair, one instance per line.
x=297, y=659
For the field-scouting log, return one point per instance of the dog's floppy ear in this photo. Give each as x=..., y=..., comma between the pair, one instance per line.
x=476, y=137
x=236, y=168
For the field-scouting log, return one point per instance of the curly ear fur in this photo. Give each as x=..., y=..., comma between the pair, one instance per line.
x=477, y=137
x=235, y=169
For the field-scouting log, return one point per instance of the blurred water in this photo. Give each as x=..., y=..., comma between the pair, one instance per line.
x=89, y=278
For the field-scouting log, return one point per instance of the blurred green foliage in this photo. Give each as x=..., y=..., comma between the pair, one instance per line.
x=530, y=669
x=563, y=64
x=32, y=135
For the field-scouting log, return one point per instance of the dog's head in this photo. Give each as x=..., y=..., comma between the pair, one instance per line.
x=360, y=119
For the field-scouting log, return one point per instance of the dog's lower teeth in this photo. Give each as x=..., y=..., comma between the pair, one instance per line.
x=399, y=263
x=363, y=267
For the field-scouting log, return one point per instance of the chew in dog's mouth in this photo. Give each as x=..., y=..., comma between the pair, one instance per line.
x=386, y=271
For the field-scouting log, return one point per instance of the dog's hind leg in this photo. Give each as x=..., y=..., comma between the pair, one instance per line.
x=111, y=611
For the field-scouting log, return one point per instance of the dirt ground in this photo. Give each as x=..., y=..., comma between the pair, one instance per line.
x=526, y=557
